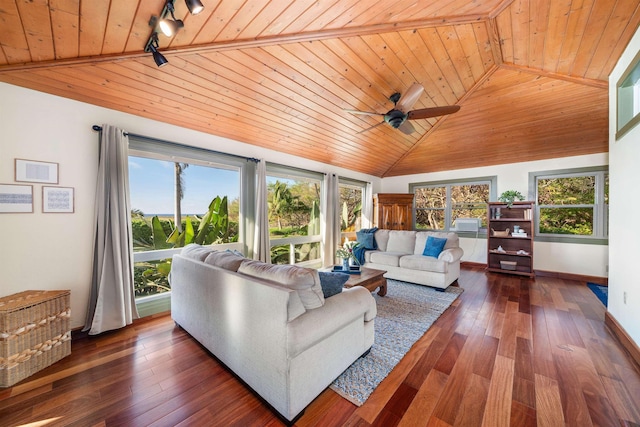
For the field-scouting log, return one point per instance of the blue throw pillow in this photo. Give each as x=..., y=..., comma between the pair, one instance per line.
x=434, y=246
x=332, y=282
x=366, y=238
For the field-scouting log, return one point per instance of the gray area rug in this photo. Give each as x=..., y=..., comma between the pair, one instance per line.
x=404, y=315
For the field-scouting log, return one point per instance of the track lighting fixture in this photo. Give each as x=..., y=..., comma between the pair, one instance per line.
x=170, y=26
x=194, y=6
x=152, y=46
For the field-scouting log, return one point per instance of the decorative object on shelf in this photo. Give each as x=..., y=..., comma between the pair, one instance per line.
x=509, y=265
x=510, y=196
x=504, y=233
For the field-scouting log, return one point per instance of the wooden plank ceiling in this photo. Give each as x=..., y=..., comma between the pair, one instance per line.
x=530, y=75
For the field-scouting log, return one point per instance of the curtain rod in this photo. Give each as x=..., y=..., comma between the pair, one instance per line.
x=148, y=138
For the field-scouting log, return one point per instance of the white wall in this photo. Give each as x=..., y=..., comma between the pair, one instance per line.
x=624, y=236
x=589, y=260
x=54, y=251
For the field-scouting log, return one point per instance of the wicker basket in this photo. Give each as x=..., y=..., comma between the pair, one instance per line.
x=504, y=233
x=34, y=333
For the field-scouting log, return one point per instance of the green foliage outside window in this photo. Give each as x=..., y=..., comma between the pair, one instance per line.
x=463, y=201
x=214, y=227
x=567, y=205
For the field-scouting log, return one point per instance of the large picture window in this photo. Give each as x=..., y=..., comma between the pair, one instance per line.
x=572, y=204
x=294, y=215
x=179, y=196
x=439, y=204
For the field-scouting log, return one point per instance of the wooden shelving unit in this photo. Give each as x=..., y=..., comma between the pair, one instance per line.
x=516, y=256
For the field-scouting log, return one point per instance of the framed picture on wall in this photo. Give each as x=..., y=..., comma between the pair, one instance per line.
x=36, y=171
x=57, y=199
x=16, y=198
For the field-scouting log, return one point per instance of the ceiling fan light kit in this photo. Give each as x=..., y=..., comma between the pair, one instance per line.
x=168, y=26
x=399, y=115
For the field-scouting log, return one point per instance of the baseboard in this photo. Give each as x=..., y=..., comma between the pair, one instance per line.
x=622, y=336
x=604, y=281
x=469, y=264
x=577, y=277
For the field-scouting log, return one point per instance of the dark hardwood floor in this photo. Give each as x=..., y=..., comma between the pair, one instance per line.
x=511, y=351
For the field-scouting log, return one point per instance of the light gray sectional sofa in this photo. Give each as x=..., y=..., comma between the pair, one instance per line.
x=400, y=253
x=270, y=324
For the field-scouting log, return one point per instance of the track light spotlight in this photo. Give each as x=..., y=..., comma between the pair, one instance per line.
x=194, y=6
x=152, y=46
x=170, y=26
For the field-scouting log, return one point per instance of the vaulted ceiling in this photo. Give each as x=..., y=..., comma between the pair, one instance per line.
x=530, y=76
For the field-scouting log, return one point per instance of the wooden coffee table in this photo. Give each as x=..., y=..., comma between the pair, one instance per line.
x=370, y=279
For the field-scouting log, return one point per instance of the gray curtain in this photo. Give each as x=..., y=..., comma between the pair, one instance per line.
x=330, y=225
x=367, y=207
x=261, y=236
x=112, y=301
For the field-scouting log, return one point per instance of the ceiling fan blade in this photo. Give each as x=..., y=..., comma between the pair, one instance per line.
x=425, y=113
x=371, y=127
x=406, y=128
x=366, y=113
x=406, y=101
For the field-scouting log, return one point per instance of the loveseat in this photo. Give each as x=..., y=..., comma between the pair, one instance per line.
x=402, y=255
x=270, y=324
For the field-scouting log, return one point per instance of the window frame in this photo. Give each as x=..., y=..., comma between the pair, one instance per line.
x=287, y=172
x=490, y=180
x=600, y=216
x=348, y=182
x=628, y=99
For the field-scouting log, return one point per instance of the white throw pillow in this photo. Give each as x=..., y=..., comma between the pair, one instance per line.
x=401, y=241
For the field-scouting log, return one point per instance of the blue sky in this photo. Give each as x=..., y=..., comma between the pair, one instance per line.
x=152, y=186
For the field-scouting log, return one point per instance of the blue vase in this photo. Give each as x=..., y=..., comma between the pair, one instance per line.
x=345, y=264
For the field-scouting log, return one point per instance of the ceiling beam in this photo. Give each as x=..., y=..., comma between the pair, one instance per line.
x=252, y=43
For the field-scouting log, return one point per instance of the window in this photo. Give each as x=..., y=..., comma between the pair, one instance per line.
x=628, y=98
x=179, y=195
x=294, y=215
x=439, y=204
x=351, y=202
x=572, y=205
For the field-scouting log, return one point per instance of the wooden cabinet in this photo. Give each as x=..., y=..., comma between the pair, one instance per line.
x=393, y=211
x=510, y=251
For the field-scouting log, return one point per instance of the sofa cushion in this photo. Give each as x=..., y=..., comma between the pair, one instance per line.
x=423, y=263
x=332, y=282
x=305, y=281
x=434, y=246
x=401, y=241
x=225, y=259
x=382, y=239
x=386, y=258
x=196, y=251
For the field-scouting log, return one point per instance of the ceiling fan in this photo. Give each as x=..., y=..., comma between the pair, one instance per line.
x=399, y=116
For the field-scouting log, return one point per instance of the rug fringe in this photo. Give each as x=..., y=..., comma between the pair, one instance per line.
x=346, y=396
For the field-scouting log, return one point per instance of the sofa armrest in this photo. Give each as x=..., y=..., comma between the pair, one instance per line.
x=451, y=255
x=337, y=311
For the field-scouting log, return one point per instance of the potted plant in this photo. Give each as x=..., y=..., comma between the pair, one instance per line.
x=510, y=196
x=346, y=252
